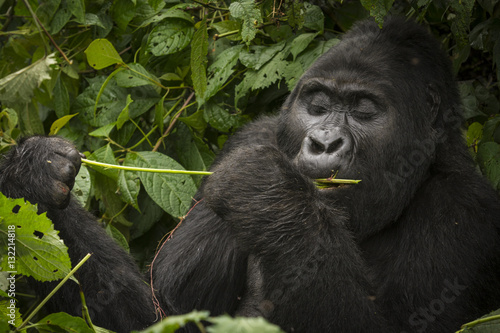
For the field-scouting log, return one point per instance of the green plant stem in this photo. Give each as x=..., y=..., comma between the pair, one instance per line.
x=322, y=182
x=128, y=168
x=63, y=281
x=478, y=321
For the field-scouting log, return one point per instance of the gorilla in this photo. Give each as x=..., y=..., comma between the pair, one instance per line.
x=414, y=247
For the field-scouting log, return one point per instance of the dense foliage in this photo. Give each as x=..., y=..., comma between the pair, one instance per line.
x=163, y=83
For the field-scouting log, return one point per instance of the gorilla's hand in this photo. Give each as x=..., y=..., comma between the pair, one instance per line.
x=257, y=187
x=42, y=170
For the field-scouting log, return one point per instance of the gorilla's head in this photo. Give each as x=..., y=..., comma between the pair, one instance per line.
x=381, y=106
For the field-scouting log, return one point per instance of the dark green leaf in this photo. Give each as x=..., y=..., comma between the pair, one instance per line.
x=170, y=36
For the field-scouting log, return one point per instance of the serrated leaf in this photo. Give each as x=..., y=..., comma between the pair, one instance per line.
x=228, y=26
x=227, y=323
x=170, y=13
x=249, y=13
x=258, y=56
x=63, y=322
x=101, y=54
x=172, y=323
x=60, y=123
x=378, y=9
x=19, y=86
x=221, y=119
x=40, y=252
x=221, y=70
x=81, y=189
x=199, y=50
x=170, y=37
x=172, y=192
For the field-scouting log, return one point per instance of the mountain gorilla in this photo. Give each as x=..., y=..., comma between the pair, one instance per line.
x=415, y=246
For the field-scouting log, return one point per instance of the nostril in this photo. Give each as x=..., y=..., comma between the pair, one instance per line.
x=316, y=147
x=335, y=145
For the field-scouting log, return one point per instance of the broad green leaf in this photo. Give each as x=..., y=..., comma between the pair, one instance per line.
x=230, y=27
x=103, y=132
x=170, y=36
x=172, y=192
x=489, y=323
x=117, y=236
x=60, y=18
x=293, y=72
x=258, y=56
x=135, y=76
x=295, y=13
x=474, y=134
x=105, y=155
x=62, y=322
x=488, y=157
x=123, y=11
x=221, y=70
x=172, y=323
x=81, y=189
x=192, y=151
x=5, y=311
x=101, y=54
x=129, y=185
x=227, y=323
x=195, y=121
x=40, y=252
x=29, y=119
x=77, y=8
x=106, y=190
x=60, y=123
x=19, y=86
x=378, y=9
x=300, y=43
x=199, y=50
x=168, y=14
x=61, y=98
x=124, y=115
x=8, y=122
x=249, y=13
x=221, y=119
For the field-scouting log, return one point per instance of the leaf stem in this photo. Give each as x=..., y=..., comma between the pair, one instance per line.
x=128, y=168
x=63, y=281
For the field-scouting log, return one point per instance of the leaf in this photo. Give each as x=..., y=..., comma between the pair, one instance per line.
x=61, y=321
x=40, y=253
x=19, y=86
x=105, y=155
x=101, y=54
x=171, y=13
x=5, y=311
x=171, y=192
x=258, y=56
x=314, y=18
x=77, y=8
x=300, y=43
x=129, y=184
x=169, y=37
x=60, y=18
x=221, y=119
x=199, y=50
x=117, y=236
x=135, y=76
x=172, y=323
x=249, y=13
x=60, y=123
x=221, y=69
x=61, y=98
x=103, y=132
x=124, y=115
x=228, y=26
x=378, y=9
x=489, y=323
x=123, y=11
x=81, y=189
x=488, y=157
x=226, y=323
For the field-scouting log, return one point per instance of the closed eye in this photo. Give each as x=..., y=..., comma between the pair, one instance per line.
x=316, y=110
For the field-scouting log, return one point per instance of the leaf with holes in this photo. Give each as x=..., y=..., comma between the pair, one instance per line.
x=170, y=36
x=249, y=13
x=101, y=54
x=172, y=192
x=39, y=252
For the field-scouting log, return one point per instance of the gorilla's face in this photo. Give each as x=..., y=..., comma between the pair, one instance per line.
x=340, y=122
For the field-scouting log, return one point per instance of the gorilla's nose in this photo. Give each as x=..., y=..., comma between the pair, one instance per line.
x=328, y=141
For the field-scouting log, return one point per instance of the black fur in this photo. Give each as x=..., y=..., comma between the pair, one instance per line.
x=414, y=247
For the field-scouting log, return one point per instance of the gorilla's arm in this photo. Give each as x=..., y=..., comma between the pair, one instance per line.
x=42, y=170
x=301, y=253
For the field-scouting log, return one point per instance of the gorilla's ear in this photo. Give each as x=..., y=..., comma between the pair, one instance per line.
x=433, y=101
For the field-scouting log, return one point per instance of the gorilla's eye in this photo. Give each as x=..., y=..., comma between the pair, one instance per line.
x=361, y=114
x=316, y=110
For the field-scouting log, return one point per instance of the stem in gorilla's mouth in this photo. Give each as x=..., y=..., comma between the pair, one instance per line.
x=321, y=183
